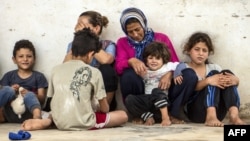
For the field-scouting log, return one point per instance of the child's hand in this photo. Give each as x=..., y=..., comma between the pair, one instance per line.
x=216, y=80
x=15, y=87
x=230, y=80
x=22, y=91
x=178, y=80
x=166, y=122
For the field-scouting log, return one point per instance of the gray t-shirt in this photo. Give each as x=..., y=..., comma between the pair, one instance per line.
x=183, y=65
x=73, y=84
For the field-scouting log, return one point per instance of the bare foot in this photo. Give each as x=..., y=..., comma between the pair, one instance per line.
x=137, y=121
x=234, y=116
x=36, y=124
x=176, y=121
x=166, y=122
x=214, y=122
x=150, y=121
x=237, y=121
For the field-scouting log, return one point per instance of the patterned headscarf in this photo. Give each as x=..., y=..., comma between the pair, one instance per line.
x=148, y=33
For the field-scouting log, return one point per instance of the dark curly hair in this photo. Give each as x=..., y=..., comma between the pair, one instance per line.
x=158, y=50
x=84, y=42
x=24, y=44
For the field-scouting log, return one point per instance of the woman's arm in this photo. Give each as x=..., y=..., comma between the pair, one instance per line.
x=104, y=58
x=123, y=53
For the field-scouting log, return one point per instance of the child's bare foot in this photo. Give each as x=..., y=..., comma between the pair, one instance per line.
x=176, y=120
x=36, y=124
x=211, y=118
x=150, y=121
x=214, y=122
x=237, y=121
x=234, y=116
x=166, y=122
x=137, y=121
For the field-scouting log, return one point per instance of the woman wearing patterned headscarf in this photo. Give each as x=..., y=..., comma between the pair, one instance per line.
x=129, y=63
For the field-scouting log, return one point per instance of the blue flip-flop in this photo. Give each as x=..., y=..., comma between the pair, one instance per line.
x=20, y=135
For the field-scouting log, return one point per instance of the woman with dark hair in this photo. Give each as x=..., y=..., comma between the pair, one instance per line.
x=104, y=59
x=129, y=61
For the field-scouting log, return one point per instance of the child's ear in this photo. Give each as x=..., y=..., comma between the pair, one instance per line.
x=90, y=56
x=14, y=59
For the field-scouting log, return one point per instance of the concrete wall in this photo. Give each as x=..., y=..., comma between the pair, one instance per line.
x=49, y=24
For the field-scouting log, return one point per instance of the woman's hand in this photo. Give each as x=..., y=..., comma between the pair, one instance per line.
x=80, y=25
x=138, y=66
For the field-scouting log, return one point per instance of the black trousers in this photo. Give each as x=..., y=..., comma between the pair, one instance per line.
x=180, y=94
x=221, y=99
x=110, y=77
x=147, y=105
x=131, y=83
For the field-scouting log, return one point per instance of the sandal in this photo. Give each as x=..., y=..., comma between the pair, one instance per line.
x=20, y=135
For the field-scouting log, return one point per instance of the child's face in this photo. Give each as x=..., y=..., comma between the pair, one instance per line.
x=154, y=63
x=199, y=53
x=24, y=59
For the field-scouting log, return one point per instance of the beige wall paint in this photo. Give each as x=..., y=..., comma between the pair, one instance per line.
x=49, y=25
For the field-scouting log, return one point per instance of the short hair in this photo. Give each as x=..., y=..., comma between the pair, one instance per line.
x=84, y=42
x=24, y=44
x=158, y=50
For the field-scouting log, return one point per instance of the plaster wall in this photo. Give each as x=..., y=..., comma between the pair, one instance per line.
x=49, y=24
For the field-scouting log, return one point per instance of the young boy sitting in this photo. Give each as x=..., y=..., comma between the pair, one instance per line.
x=73, y=86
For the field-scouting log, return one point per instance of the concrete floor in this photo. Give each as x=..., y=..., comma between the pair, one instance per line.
x=128, y=132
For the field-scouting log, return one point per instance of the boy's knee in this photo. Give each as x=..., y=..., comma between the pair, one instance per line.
x=29, y=95
x=7, y=89
x=128, y=100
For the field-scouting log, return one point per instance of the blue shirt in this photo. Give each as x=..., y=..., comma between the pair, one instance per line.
x=33, y=83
